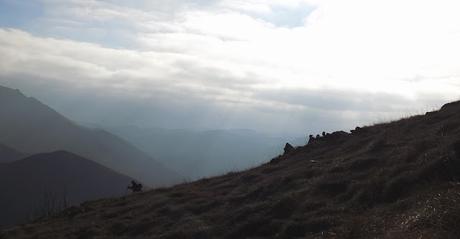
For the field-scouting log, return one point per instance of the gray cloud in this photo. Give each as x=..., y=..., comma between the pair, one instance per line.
x=277, y=113
x=227, y=64
x=348, y=100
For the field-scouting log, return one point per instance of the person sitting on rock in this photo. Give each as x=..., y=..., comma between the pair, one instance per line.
x=311, y=138
x=135, y=187
x=288, y=148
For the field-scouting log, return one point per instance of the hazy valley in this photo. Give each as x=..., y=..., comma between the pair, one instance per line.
x=57, y=163
x=198, y=154
x=390, y=180
x=229, y=119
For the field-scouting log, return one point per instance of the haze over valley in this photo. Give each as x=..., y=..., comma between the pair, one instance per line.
x=196, y=119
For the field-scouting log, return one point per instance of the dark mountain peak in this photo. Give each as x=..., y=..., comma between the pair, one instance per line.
x=9, y=91
x=8, y=154
x=32, y=127
x=61, y=160
x=16, y=108
x=38, y=182
x=61, y=155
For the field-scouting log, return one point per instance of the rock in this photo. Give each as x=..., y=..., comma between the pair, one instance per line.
x=338, y=135
x=356, y=130
x=276, y=160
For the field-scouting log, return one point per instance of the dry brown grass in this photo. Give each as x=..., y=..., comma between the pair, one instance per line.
x=393, y=180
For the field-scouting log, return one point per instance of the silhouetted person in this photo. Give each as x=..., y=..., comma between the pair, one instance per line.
x=324, y=134
x=311, y=138
x=288, y=148
x=355, y=130
x=135, y=187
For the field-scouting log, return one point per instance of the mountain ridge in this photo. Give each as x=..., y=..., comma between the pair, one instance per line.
x=58, y=175
x=391, y=180
x=8, y=154
x=32, y=127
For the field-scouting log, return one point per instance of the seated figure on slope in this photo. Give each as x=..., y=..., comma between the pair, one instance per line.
x=135, y=187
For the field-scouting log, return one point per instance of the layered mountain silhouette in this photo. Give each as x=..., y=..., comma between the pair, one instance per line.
x=42, y=183
x=394, y=180
x=8, y=154
x=198, y=154
x=31, y=127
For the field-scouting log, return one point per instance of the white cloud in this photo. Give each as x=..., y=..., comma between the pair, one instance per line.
x=227, y=52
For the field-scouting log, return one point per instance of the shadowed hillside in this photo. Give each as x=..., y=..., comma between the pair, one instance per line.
x=32, y=127
x=7, y=154
x=393, y=180
x=30, y=185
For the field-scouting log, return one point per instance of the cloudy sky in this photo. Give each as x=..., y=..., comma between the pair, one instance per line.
x=279, y=66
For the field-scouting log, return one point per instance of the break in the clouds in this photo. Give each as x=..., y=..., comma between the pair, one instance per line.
x=275, y=65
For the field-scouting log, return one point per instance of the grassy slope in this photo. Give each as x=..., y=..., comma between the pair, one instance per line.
x=395, y=180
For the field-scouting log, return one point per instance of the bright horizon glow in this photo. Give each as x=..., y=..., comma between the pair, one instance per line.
x=284, y=66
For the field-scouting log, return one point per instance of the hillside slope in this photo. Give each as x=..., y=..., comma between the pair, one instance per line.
x=7, y=154
x=60, y=176
x=394, y=180
x=32, y=127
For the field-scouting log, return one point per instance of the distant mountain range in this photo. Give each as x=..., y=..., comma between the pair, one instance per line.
x=88, y=163
x=30, y=127
x=197, y=154
x=44, y=182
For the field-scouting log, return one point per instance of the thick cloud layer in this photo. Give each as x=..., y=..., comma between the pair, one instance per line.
x=280, y=66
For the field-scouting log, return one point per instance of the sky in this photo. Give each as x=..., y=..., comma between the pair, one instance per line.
x=277, y=66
